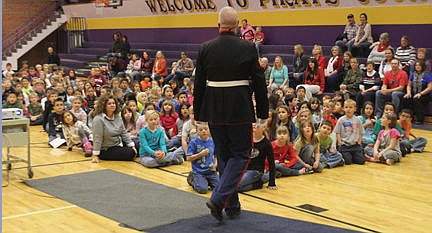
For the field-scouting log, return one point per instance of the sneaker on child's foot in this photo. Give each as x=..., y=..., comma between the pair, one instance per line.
x=177, y=160
x=278, y=174
x=302, y=171
x=88, y=154
x=390, y=161
x=190, y=178
x=308, y=171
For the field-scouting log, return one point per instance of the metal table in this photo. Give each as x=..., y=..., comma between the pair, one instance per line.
x=16, y=133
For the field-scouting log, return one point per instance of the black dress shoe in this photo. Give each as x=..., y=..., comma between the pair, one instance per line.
x=215, y=211
x=232, y=212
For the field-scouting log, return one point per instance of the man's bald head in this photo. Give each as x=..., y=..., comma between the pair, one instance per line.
x=228, y=17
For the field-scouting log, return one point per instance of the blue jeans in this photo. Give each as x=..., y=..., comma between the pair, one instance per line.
x=307, y=155
x=202, y=181
x=360, y=50
x=332, y=83
x=368, y=96
x=343, y=45
x=173, y=142
x=331, y=159
x=380, y=99
x=170, y=158
x=251, y=180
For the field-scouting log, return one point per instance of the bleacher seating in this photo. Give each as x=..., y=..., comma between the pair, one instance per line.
x=93, y=54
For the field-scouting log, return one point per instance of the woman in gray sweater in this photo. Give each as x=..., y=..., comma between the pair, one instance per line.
x=110, y=139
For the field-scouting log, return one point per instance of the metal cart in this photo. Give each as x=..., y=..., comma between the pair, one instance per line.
x=16, y=134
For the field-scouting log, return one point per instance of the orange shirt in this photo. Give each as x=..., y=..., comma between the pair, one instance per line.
x=406, y=127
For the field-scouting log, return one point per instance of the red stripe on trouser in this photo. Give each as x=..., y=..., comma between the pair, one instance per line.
x=243, y=172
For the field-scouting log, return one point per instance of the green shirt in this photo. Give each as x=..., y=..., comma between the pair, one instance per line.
x=325, y=144
x=17, y=104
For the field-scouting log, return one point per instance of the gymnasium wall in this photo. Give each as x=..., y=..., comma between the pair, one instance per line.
x=284, y=21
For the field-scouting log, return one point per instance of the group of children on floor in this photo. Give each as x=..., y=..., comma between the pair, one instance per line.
x=300, y=136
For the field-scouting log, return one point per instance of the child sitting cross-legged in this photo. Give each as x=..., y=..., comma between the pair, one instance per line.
x=153, y=150
x=330, y=157
x=387, y=148
x=201, y=153
x=418, y=143
x=306, y=147
x=285, y=158
x=76, y=133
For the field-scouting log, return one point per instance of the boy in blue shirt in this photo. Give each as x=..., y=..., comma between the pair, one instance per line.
x=201, y=153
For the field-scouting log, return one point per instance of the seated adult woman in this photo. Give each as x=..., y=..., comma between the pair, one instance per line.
x=299, y=65
x=279, y=75
x=385, y=65
x=111, y=141
x=363, y=38
x=333, y=70
x=125, y=46
x=136, y=62
x=146, y=63
x=421, y=56
x=345, y=64
x=406, y=54
x=377, y=55
x=317, y=53
x=159, y=68
x=418, y=91
x=313, y=79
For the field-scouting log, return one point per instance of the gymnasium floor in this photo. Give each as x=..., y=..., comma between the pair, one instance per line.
x=369, y=198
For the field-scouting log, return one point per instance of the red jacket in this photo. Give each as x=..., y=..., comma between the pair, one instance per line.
x=317, y=80
x=169, y=122
x=161, y=67
x=337, y=65
x=285, y=155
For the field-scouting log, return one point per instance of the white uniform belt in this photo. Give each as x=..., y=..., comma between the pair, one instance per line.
x=228, y=83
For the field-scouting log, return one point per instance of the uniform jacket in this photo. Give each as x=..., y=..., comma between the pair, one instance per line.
x=228, y=58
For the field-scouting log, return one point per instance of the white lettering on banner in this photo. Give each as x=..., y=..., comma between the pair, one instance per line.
x=172, y=6
x=191, y=6
x=132, y=8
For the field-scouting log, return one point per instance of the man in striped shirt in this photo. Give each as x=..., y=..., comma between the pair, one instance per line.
x=349, y=33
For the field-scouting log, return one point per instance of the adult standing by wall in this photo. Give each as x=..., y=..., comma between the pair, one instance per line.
x=111, y=141
x=348, y=34
x=226, y=75
x=52, y=58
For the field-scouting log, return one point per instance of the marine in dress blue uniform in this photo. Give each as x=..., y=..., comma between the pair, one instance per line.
x=227, y=75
